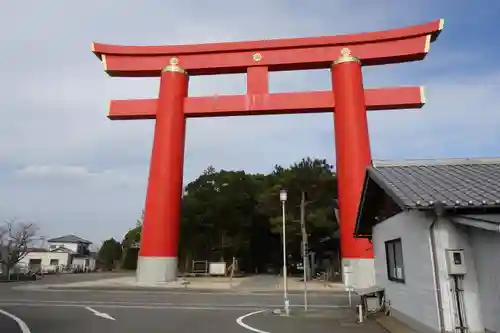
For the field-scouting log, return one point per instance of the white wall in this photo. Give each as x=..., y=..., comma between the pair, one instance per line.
x=82, y=262
x=71, y=246
x=63, y=258
x=454, y=236
x=486, y=254
x=414, y=301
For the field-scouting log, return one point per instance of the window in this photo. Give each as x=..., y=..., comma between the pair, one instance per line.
x=54, y=262
x=394, y=258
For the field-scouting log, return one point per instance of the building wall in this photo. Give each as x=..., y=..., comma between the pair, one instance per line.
x=413, y=302
x=454, y=236
x=64, y=258
x=84, y=262
x=71, y=246
x=486, y=245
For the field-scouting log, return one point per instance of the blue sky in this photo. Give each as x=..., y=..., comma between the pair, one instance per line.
x=66, y=167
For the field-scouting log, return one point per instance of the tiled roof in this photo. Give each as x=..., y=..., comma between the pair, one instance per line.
x=464, y=183
x=69, y=239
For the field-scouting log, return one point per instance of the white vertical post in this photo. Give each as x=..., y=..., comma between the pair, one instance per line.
x=347, y=282
x=283, y=197
x=360, y=313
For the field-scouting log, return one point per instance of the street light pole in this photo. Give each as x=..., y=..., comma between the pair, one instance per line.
x=283, y=197
x=305, y=261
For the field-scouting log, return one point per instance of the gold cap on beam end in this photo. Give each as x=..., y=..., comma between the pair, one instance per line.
x=345, y=56
x=174, y=66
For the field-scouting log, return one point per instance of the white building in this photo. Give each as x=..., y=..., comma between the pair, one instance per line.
x=66, y=252
x=435, y=229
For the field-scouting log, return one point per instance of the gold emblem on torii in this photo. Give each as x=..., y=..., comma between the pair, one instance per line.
x=346, y=56
x=174, y=66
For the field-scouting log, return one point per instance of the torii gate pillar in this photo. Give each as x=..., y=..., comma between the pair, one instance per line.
x=352, y=146
x=160, y=229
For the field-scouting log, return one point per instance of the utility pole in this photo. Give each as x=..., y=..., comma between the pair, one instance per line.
x=283, y=197
x=304, y=244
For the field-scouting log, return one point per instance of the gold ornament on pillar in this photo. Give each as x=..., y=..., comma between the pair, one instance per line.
x=174, y=66
x=346, y=56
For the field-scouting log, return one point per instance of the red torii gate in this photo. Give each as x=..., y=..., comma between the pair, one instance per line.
x=344, y=54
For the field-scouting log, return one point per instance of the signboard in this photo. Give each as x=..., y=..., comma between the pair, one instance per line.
x=217, y=268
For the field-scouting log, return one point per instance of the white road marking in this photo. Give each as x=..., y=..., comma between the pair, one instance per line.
x=100, y=314
x=22, y=325
x=248, y=327
x=113, y=306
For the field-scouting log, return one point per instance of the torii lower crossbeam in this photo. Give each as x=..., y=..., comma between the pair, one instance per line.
x=269, y=104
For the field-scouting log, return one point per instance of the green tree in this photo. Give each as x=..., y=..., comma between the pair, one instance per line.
x=110, y=253
x=140, y=220
x=316, y=178
x=130, y=244
x=233, y=213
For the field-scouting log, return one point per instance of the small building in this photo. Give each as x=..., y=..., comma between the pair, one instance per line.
x=71, y=242
x=435, y=230
x=68, y=252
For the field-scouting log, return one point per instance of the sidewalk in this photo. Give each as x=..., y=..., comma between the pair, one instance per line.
x=393, y=325
x=294, y=284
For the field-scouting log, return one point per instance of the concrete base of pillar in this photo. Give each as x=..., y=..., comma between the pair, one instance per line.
x=358, y=273
x=156, y=269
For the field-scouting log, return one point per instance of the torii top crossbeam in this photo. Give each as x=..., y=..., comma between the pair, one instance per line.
x=373, y=48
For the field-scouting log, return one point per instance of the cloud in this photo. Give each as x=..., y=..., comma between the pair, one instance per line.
x=44, y=171
x=74, y=175
x=64, y=164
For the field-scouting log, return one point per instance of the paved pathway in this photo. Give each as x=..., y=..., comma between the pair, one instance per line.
x=261, y=282
x=116, y=281
x=82, y=277
x=273, y=282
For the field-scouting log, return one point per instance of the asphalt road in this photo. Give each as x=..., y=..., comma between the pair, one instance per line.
x=63, y=311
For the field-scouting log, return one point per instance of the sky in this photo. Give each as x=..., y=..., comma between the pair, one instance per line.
x=69, y=169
